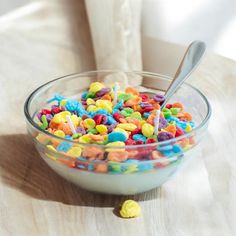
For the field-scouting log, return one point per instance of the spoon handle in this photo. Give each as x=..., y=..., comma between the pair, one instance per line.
x=190, y=61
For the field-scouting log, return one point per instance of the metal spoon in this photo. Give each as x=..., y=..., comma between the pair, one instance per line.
x=190, y=61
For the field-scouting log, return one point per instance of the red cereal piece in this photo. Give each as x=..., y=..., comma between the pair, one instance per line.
x=178, y=132
x=45, y=112
x=144, y=97
x=146, y=109
x=168, y=106
x=117, y=116
x=139, y=142
x=130, y=141
x=151, y=140
x=136, y=131
x=55, y=110
x=84, y=117
x=98, y=119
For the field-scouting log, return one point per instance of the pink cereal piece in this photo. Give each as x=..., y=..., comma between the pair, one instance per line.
x=117, y=156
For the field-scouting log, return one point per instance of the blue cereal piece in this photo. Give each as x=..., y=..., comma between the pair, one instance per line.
x=146, y=114
x=177, y=148
x=145, y=167
x=139, y=137
x=71, y=105
x=111, y=120
x=119, y=104
x=117, y=136
x=57, y=98
x=64, y=147
x=165, y=148
x=84, y=95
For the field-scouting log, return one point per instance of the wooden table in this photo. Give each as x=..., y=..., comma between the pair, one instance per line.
x=201, y=200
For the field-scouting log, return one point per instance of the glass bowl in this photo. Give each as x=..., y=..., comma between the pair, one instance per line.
x=156, y=163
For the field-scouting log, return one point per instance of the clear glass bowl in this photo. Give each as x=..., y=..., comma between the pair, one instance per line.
x=157, y=161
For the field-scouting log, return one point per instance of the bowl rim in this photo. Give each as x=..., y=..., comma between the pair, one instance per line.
x=146, y=73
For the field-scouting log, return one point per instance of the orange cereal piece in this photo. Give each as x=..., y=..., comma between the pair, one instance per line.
x=106, y=97
x=93, y=153
x=69, y=163
x=53, y=125
x=137, y=107
x=95, y=137
x=156, y=155
x=117, y=156
x=101, y=168
x=187, y=116
x=132, y=154
x=151, y=119
x=134, y=121
x=65, y=128
x=123, y=120
x=133, y=101
x=178, y=105
x=171, y=128
x=154, y=104
x=132, y=91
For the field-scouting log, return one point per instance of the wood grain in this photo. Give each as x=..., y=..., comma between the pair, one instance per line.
x=200, y=200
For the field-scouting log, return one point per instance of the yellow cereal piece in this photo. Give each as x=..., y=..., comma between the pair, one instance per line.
x=75, y=120
x=63, y=114
x=104, y=104
x=75, y=151
x=188, y=128
x=51, y=148
x=147, y=130
x=92, y=108
x=85, y=139
x=59, y=133
x=127, y=126
x=136, y=114
x=115, y=144
x=90, y=101
x=130, y=209
x=57, y=119
x=95, y=87
x=89, y=123
x=102, y=129
x=122, y=131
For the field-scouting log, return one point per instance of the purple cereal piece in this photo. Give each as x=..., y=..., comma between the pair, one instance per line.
x=49, y=117
x=162, y=123
x=159, y=98
x=110, y=128
x=39, y=115
x=163, y=136
x=145, y=105
x=80, y=130
x=104, y=120
x=102, y=92
x=63, y=108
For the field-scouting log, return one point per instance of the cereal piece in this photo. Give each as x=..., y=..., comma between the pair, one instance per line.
x=117, y=136
x=93, y=153
x=75, y=151
x=102, y=129
x=131, y=90
x=59, y=133
x=127, y=126
x=101, y=168
x=117, y=156
x=95, y=87
x=130, y=209
x=89, y=123
x=147, y=130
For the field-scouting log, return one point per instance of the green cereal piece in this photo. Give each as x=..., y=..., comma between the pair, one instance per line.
x=131, y=169
x=124, y=113
x=77, y=135
x=128, y=110
x=92, y=131
x=90, y=95
x=167, y=114
x=44, y=122
x=174, y=110
x=125, y=96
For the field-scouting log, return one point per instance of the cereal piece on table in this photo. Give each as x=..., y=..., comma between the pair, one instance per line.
x=130, y=209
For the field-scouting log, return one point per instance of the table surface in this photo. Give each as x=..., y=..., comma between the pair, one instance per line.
x=37, y=44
